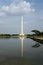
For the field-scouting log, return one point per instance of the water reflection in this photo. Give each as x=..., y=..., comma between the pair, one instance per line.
x=17, y=51
x=40, y=41
x=36, y=45
x=21, y=39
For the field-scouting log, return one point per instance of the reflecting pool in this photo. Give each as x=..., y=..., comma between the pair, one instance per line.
x=15, y=51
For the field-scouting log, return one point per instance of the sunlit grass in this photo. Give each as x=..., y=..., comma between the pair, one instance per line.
x=39, y=37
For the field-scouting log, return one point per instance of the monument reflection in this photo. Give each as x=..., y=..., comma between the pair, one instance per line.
x=21, y=45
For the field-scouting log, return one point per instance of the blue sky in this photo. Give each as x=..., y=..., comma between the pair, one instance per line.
x=12, y=10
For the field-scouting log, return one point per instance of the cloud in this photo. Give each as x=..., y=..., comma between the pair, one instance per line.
x=2, y=14
x=14, y=0
x=17, y=8
x=41, y=14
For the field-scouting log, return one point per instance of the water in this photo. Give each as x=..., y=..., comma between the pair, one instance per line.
x=20, y=52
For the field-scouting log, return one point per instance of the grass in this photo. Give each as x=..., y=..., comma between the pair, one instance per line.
x=40, y=37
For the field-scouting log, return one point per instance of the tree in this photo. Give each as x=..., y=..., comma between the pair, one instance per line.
x=42, y=32
x=36, y=32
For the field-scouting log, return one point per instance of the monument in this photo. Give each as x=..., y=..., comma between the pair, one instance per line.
x=22, y=34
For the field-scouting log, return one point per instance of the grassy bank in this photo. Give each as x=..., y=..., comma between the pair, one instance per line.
x=9, y=35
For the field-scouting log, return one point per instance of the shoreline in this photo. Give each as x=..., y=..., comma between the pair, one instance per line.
x=35, y=38
x=40, y=40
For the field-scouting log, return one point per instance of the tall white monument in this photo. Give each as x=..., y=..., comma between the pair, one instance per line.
x=22, y=34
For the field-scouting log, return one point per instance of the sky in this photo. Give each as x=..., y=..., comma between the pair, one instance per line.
x=12, y=10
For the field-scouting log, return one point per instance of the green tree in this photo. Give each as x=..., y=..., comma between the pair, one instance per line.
x=36, y=32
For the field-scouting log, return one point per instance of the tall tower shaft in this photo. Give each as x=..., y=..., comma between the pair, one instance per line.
x=22, y=34
x=22, y=25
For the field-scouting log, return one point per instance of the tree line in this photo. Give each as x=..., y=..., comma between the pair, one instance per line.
x=37, y=32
